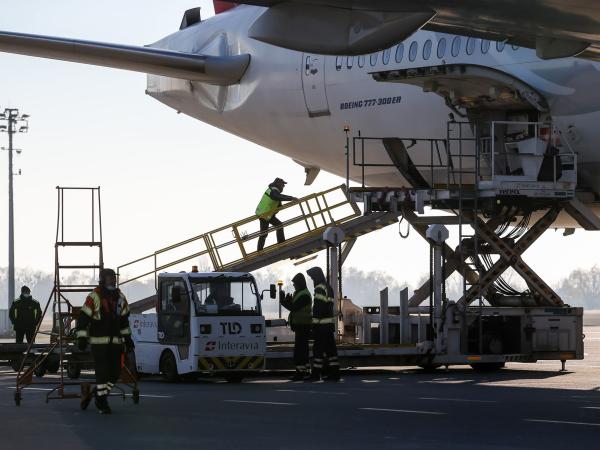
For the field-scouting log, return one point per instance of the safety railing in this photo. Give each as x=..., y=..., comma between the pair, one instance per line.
x=236, y=243
x=425, y=157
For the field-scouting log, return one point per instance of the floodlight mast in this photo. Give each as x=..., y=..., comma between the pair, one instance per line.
x=12, y=120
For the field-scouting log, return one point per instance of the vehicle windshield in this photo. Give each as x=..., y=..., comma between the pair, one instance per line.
x=225, y=296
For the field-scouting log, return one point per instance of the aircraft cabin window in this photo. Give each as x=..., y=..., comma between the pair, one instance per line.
x=485, y=46
x=412, y=51
x=373, y=59
x=361, y=61
x=470, y=46
x=338, y=63
x=385, y=58
x=455, y=46
x=350, y=62
x=399, y=53
x=441, y=48
x=427, y=49
x=500, y=45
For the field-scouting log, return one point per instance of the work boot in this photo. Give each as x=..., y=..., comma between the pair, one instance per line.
x=315, y=375
x=334, y=374
x=102, y=404
x=299, y=376
x=86, y=396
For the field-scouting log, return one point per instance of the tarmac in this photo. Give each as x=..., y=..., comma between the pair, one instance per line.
x=524, y=406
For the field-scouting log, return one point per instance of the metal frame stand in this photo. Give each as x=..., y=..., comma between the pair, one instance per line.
x=61, y=352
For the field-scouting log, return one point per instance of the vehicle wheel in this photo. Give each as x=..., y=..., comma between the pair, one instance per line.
x=15, y=365
x=487, y=367
x=53, y=363
x=168, y=367
x=18, y=398
x=234, y=378
x=73, y=370
x=40, y=370
x=430, y=367
x=136, y=396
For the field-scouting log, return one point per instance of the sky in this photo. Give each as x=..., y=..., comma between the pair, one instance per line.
x=164, y=177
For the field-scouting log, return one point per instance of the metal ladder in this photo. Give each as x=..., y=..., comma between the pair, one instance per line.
x=64, y=313
x=468, y=207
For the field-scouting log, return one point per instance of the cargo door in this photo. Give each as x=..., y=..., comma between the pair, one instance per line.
x=313, y=85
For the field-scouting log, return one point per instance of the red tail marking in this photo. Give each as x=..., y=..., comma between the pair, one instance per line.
x=221, y=6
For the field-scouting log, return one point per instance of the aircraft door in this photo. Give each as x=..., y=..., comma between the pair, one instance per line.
x=173, y=312
x=313, y=85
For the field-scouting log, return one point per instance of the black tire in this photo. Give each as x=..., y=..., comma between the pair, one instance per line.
x=73, y=370
x=136, y=396
x=234, y=378
x=15, y=365
x=487, y=367
x=53, y=363
x=168, y=367
x=18, y=398
x=41, y=369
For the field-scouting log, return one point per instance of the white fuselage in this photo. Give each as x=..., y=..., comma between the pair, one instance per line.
x=299, y=109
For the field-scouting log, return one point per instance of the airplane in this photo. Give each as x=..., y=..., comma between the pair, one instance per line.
x=296, y=92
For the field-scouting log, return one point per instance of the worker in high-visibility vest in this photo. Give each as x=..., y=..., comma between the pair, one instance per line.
x=323, y=323
x=103, y=321
x=24, y=314
x=266, y=209
x=300, y=319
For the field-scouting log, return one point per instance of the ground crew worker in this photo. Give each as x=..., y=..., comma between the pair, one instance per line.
x=300, y=319
x=104, y=322
x=24, y=314
x=270, y=201
x=323, y=323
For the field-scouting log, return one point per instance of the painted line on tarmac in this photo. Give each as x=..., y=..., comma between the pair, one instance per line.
x=301, y=391
x=147, y=395
x=590, y=407
x=32, y=388
x=261, y=403
x=457, y=400
x=409, y=411
x=565, y=422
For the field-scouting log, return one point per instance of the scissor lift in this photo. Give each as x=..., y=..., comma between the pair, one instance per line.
x=488, y=189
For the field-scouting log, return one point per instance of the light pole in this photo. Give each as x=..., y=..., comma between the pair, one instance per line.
x=12, y=122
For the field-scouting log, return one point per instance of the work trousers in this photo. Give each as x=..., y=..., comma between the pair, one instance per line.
x=27, y=333
x=107, y=360
x=301, y=337
x=264, y=227
x=325, y=351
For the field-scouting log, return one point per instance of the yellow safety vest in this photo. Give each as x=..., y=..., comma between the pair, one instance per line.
x=267, y=206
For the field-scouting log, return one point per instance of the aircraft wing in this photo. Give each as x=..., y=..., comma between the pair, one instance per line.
x=555, y=28
x=218, y=70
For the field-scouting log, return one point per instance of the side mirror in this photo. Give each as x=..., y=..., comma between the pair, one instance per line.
x=273, y=291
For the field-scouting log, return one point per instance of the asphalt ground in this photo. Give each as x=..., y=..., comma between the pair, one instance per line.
x=525, y=406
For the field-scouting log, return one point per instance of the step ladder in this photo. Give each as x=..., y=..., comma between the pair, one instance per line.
x=59, y=355
x=232, y=248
